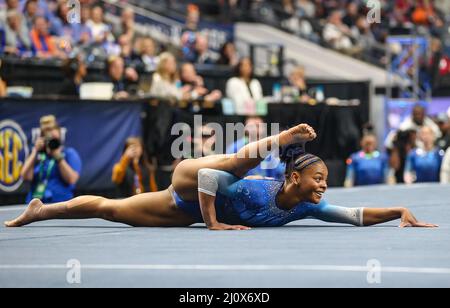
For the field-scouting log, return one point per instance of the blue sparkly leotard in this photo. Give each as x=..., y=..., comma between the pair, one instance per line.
x=253, y=203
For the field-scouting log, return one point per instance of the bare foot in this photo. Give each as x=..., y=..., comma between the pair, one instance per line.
x=30, y=215
x=301, y=133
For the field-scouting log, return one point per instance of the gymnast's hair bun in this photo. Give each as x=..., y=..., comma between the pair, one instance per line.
x=292, y=152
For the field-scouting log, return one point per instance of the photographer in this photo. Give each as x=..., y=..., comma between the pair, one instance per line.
x=52, y=169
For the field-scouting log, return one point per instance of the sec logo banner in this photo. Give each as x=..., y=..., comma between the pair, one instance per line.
x=13, y=152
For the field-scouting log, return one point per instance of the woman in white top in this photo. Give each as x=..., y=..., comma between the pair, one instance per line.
x=165, y=83
x=445, y=168
x=244, y=90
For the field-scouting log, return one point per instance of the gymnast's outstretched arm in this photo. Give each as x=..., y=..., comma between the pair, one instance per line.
x=368, y=216
x=211, y=181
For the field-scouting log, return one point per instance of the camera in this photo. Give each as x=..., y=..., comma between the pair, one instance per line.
x=52, y=143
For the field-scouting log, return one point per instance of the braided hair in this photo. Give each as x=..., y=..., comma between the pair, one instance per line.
x=297, y=159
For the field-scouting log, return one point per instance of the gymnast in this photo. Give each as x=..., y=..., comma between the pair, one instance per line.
x=210, y=190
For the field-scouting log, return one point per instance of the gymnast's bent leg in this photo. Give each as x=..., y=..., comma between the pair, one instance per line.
x=185, y=178
x=145, y=210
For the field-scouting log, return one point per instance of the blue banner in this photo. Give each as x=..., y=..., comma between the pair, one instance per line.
x=96, y=130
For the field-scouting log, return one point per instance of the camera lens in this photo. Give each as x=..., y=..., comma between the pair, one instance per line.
x=53, y=144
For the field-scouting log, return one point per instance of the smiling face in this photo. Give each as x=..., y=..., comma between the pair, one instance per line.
x=311, y=183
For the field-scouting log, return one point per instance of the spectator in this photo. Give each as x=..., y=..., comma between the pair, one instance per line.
x=424, y=164
x=298, y=83
x=43, y=43
x=127, y=25
x=147, y=54
x=444, y=126
x=363, y=35
x=134, y=174
x=30, y=12
x=244, y=90
x=202, y=54
x=75, y=70
x=404, y=143
x=338, y=35
x=419, y=119
x=117, y=76
x=368, y=166
x=306, y=8
x=416, y=121
x=17, y=40
x=351, y=14
x=197, y=90
x=189, y=35
x=165, y=80
x=271, y=167
x=100, y=31
x=445, y=169
x=10, y=5
x=81, y=31
x=52, y=169
x=229, y=55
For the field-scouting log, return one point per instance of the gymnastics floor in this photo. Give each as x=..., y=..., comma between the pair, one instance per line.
x=304, y=254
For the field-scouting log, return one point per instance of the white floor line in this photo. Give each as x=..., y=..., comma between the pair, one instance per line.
x=13, y=208
x=168, y=267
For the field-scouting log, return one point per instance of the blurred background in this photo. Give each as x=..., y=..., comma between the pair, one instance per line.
x=90, y=90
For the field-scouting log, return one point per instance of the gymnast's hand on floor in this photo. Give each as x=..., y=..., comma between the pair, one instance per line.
x=221, y=227
x=408, y=220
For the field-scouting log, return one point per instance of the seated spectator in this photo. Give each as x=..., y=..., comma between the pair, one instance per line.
x=165, y=83
x=306, y=8
x=271, y=167
x=126, y=51
x=189, y=35
x=424, y=164
x=99, y=29
x=43, y=43
x=229, y=55
x=17, y=39
x=244, y=90
x=30, y=12
x=10, y=5
x=81, y=31
x=338, y=35
x=127, y=25
x=351, y=14
x=197, y=90
x=52, y=169
x=444, y=126
x=118, y=77
x=75, y=70
x=368, y=166
x=202, y=54
x=363, y=35
x=147, y=54
x=134, y=174
x=445, y=169
x=298, y=83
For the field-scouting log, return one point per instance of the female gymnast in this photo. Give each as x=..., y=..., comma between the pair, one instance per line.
x=210, y=190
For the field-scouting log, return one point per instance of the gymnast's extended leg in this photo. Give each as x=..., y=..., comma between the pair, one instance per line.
x=144, y=210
